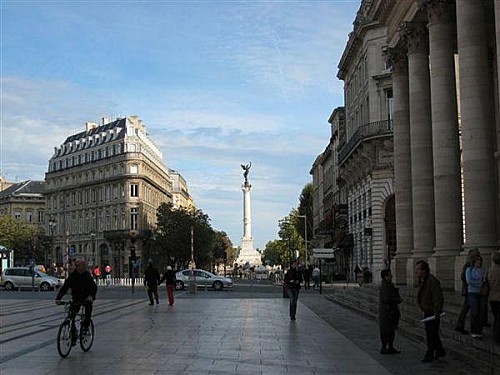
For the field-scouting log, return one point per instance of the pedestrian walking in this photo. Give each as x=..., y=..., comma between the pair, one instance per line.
x=460, y=325
x=96, y=272
x=151, y=280
x=476, y=276
x=430, y=300
x=307, y=277
x=316, y=274
x=293, y=279
x=493, y=278
x=389, y=314
x=170, y=281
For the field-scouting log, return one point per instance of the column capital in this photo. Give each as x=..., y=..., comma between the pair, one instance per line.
x=439, y=11
x=398, y=60
x=415, y=35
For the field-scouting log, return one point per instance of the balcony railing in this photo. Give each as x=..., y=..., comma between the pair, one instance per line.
x=371, y=130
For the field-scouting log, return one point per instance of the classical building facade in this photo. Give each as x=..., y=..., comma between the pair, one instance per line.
x=180, y=192
x=420, y=164
x=329, y=200
x=104, y=186
x=25, y=201
x=444, y=58
x=364, y=162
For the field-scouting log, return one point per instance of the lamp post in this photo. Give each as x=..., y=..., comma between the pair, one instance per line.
x=52, y=225
x=93, y=245
x=305, y=236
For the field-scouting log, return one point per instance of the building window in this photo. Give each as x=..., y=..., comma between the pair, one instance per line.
x=390, y=104
x=41, y=216
x=133, y=218
x=29, y=217
x=133, y=169
x=17, y=215
x=134, y=190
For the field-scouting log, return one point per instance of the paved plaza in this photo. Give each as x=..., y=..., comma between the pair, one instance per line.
x=244, y=331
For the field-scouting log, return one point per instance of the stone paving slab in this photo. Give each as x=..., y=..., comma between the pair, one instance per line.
x=203, y=336
x=209, y=333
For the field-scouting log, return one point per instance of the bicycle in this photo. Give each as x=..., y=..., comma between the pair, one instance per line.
x=71, y=330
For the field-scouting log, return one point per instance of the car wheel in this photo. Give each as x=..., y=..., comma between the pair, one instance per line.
x=9, y=286
x=45, y=286
x=179, y=285
x=217, y=285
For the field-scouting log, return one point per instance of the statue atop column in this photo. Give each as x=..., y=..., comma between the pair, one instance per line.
x=246, y=168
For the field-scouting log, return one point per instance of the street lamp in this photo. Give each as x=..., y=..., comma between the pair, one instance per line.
x=52, y=225
x=93, y=237
x=305, y=236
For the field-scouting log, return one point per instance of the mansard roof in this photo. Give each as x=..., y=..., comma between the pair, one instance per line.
x=119, y=123
x=27, y=187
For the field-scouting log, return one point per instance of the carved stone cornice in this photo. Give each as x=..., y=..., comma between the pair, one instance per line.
x=415, y=36
x=397, y=58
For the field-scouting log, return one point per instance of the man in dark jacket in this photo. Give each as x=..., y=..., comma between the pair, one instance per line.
x=170, y=281
x=151, y=280
x=430, y=300
x=83, y=290
x=389, y=314
x=293, y=278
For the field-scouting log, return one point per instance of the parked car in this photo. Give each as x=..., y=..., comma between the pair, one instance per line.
x=203, y=278
x=22, y=277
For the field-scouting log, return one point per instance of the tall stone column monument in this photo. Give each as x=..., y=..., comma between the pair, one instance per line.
x=247, y=253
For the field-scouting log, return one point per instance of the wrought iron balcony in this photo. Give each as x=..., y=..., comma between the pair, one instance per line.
x=372, y=130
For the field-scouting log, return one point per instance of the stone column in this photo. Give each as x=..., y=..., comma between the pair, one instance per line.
x=247, y=214
x=446, y=147
x=497, y=110
x=477, y=126
x=402, y=163
x=416, y=37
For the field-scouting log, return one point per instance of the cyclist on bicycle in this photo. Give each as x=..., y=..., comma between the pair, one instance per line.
x=83, y=290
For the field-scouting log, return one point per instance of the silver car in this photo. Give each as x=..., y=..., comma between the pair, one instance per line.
x=203, y=278
x=22, y=277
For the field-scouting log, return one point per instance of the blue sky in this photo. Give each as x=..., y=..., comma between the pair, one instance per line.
x=217, y=83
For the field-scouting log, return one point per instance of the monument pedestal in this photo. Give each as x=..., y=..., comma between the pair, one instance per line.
x=248, y=254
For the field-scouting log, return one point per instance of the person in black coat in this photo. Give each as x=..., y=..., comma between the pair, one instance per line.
x=293, y=278
x=389, y=314
x=83, y=290
x=151, y=280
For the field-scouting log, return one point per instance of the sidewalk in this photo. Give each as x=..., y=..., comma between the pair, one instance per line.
x=209, y=335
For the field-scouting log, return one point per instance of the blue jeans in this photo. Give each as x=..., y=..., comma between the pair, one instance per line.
x=476, y=324
x=293, y=294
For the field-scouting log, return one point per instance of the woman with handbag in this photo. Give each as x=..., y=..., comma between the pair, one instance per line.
x=475, y=277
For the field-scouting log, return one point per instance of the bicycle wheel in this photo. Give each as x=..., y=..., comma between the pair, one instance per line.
x=87, y=337
x=64, y=339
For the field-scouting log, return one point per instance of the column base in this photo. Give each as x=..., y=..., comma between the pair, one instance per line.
x=443, y=267
x=398, y=269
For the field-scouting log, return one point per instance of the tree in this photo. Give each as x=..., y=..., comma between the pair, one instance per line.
x=305, y=209
x=275, y=253
x=18, y=236
x=174, y=237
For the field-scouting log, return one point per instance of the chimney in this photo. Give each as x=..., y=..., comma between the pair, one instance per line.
x=90, y=125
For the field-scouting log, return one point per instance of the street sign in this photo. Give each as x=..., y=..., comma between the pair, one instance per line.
x=323, y=253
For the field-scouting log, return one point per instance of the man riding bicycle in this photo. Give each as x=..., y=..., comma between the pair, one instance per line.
x=83, y=290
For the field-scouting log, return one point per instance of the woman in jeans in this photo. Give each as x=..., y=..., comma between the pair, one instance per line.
x=475, y=277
